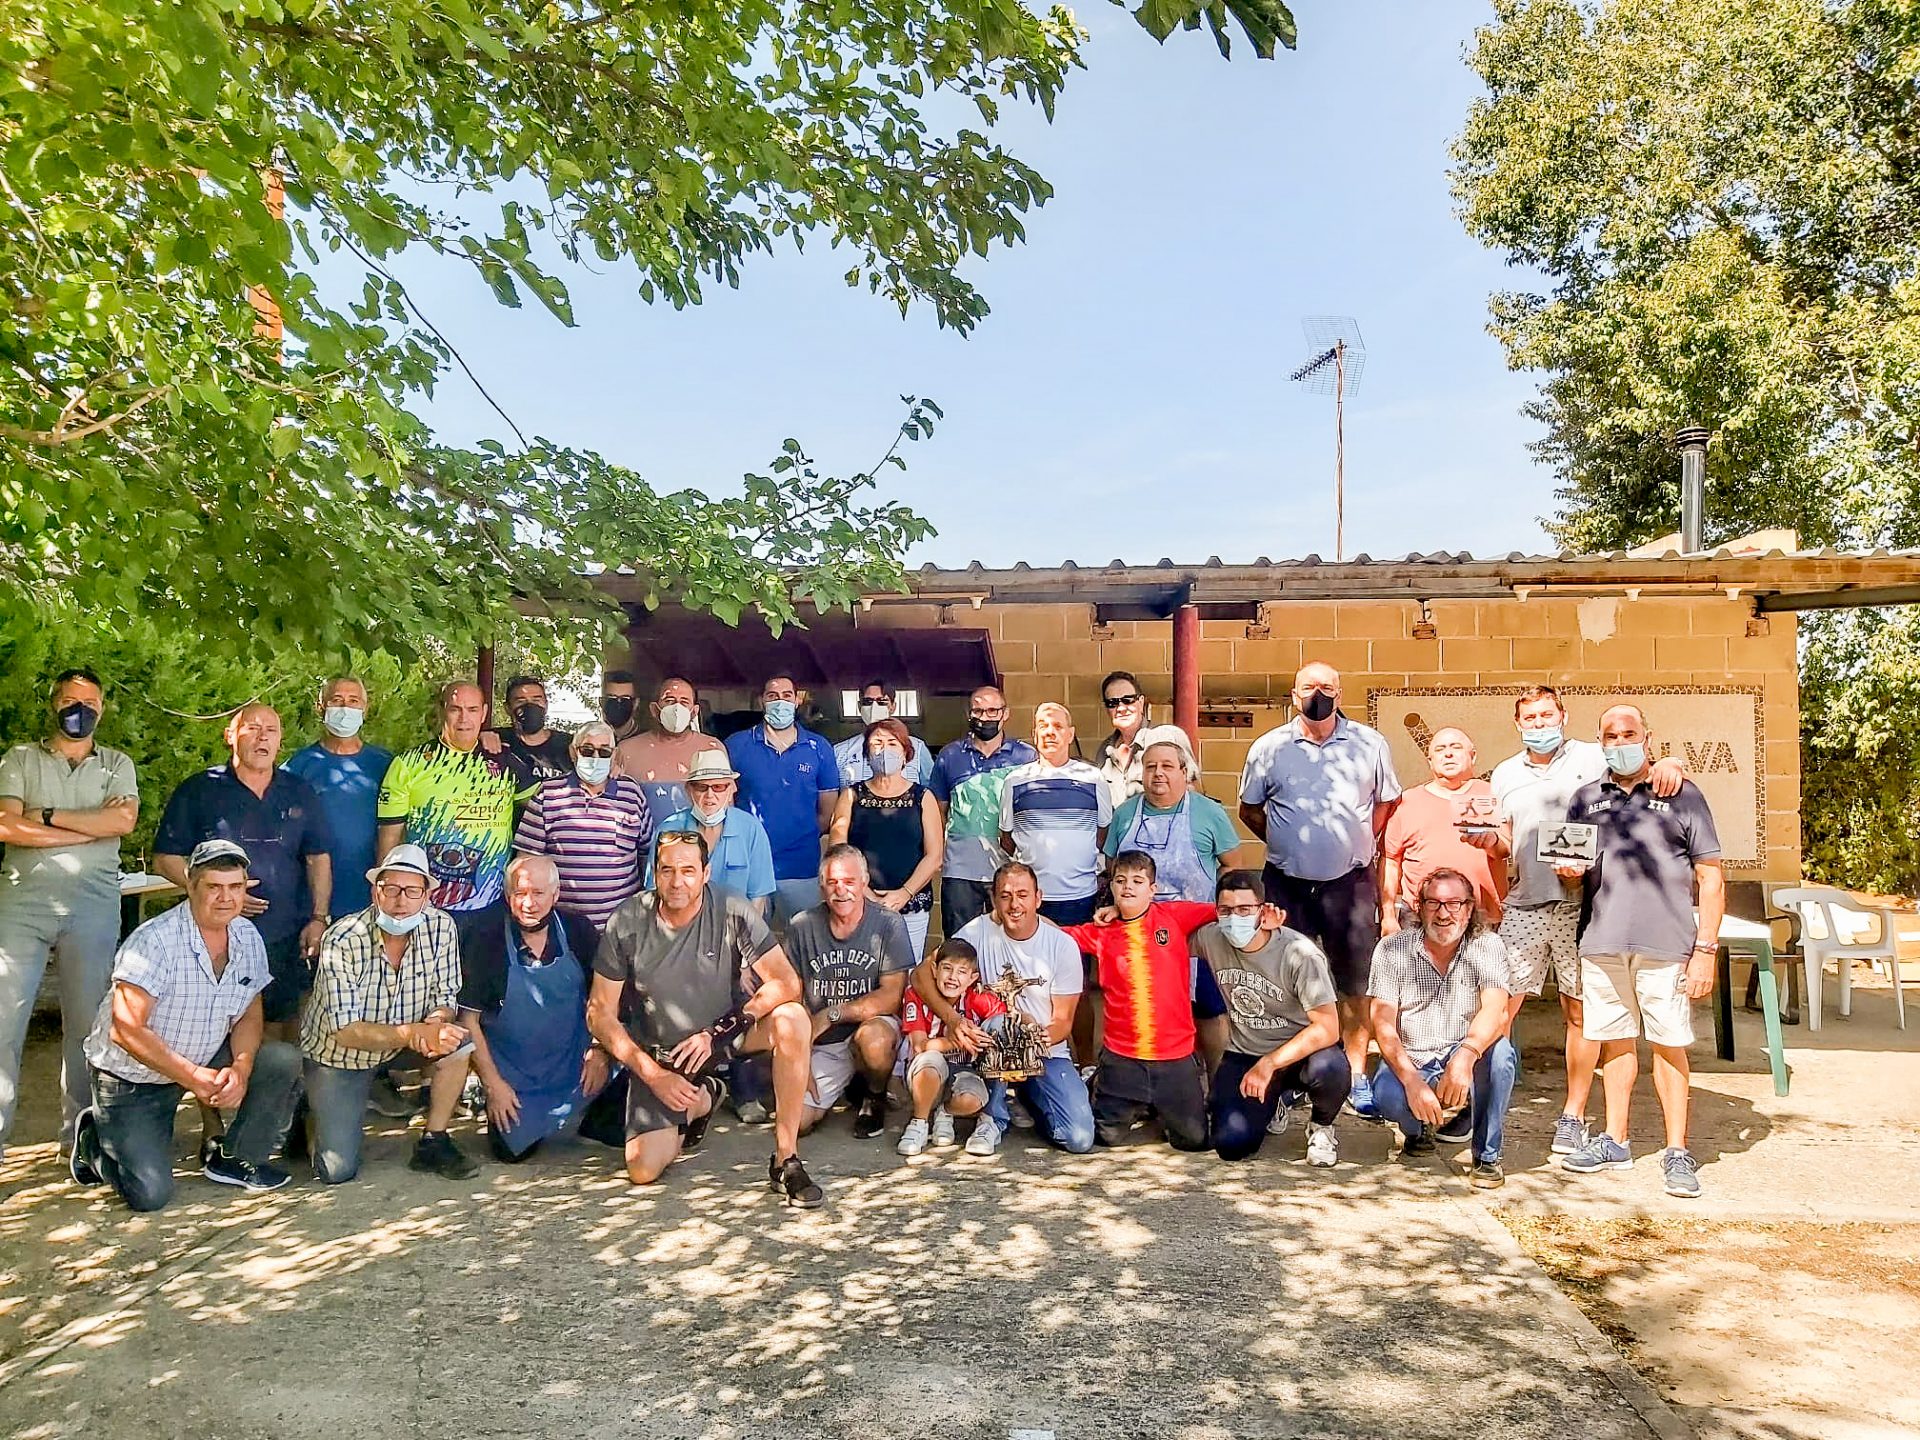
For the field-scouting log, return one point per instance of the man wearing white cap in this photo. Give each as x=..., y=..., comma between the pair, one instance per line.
x=387, y=982
x=740, y=854
x=184, y=1014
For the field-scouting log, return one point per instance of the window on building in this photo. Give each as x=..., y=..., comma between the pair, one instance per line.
x=906, y=705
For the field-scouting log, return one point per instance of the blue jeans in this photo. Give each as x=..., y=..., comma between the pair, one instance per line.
x=1059, y=1101
x=136, y=1122
x=1492, y=1092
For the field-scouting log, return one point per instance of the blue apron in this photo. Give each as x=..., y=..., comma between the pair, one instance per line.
x=1178, y=873
x=539, y=1039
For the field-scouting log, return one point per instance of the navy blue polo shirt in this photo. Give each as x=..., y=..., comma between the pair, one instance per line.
x=278, y=830
x=1637, y=897
x=782, y=788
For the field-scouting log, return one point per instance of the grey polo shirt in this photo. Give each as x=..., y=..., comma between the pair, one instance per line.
x=1319, y=798
x=1637, y=899
x=38, y=778
x=1531, y=796
x=1434, y=1010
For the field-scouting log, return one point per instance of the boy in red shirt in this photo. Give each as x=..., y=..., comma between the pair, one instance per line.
x=940, y=1075
x=1145, y=974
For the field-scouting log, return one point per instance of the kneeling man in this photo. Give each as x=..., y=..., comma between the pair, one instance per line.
x=704, y=980
x=184, y=1013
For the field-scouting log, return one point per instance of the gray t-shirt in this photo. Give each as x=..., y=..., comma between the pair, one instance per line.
x=1532, y=796
x=38, y=778
x=1435, y=1010
x=1637, y=899
x=681, y=981
x=1319, y=798
x=1268, y=991
x=836, y=971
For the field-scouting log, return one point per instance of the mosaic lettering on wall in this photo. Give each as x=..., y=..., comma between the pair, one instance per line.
x=1714, y=730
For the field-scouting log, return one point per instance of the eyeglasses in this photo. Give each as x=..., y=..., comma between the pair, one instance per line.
x=1114, y=702
x=994, y=712
x=1244, y=912
x=402, y=892
x=599, y=752
x=1456, y=906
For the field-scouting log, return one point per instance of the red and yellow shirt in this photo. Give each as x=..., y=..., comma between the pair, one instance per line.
x=1145, y=970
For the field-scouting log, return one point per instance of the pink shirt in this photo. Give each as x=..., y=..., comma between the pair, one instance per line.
x=1421, y=836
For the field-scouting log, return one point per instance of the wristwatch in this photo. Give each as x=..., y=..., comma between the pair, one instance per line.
x=833, y=1013
x=46, y=817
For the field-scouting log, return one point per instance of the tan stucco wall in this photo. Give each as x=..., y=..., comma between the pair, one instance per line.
x=1051, y=652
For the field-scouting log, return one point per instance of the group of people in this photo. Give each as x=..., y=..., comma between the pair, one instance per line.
x=611, y=933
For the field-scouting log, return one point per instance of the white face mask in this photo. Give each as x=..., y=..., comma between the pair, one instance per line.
x=343, y=721
x=710, y=817
x=675, y=718
x=872, y=710
x=594, y=769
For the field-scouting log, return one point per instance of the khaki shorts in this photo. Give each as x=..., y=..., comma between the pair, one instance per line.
x=1626, y=996
x=833, y=1069
x=957, y=1082
x=1539, y=936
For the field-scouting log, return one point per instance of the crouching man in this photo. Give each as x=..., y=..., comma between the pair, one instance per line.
x=702, y=980
x=183, y=1014
x=387, y=982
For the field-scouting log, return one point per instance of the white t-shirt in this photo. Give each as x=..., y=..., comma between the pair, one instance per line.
x=1055, y=814
x=1047, y=954
x=1534, y=795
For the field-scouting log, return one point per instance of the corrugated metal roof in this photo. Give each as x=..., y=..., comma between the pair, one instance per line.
x=1441, y=557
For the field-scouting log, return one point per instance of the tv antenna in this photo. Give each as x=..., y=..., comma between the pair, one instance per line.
x=1334, y=369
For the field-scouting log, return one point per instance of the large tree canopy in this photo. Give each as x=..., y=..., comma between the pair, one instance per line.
x=162, y=454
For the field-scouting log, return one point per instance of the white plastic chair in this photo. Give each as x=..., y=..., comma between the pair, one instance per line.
x=1835, y=926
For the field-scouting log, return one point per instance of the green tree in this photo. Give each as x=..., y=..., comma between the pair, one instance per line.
x=1722, y=198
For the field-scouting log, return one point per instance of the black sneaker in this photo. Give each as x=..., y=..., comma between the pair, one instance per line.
x=224, y=1169
x=386, y=1098
x=1486, y=1175
x=695, y=1129
x=871, y=1118
x=84, y=1163
x=789, y=1177
x=438, y=1155
x=1457, y=1126
x=1421, y=1144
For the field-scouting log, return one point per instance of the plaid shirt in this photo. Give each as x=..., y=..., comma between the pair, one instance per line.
x=193, y=1009
x=1435, y=1010
x=354, y=980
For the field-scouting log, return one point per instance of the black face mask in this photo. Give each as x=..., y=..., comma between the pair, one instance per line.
x=616, y=709
x=530, y=719
x=77, y=720
x=1318, y=706
x=531, y=930
x=983, y=729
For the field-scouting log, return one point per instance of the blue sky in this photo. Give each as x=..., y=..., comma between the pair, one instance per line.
x=1128, y=395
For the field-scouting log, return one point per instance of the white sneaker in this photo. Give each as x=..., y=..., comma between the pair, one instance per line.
x=942, y=1127
x=1282, y=1120
x=985, y=1139
x=913, y=1139
x=1018, y=1115
x=1323, y=1146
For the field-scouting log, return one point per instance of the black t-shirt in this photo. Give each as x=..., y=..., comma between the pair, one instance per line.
x=278, y=830
x=532, y=764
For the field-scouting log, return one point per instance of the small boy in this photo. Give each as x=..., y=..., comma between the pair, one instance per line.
x=1145, y=973
x=940, y=1075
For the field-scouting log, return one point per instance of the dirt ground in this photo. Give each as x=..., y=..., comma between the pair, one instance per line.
x=1750, y=1329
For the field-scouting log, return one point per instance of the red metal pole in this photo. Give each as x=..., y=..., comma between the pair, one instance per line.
x=1186, y=672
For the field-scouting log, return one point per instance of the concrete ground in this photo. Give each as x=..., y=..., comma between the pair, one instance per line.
x=1126, y=1293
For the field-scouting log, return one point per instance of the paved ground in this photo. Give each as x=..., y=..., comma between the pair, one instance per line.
x=1126, y=1293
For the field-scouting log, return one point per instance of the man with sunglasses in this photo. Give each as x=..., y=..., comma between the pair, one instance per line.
x=738, y=851
x=594, y=825
x=877, y=700
x=1118, y=758
x=1438, y=1005
x=968, y=776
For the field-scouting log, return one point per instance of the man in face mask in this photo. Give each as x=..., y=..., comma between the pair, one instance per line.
x=1318, y=791
x=345, y=771
x=877, y=700
x=789, y=779
x=533, y=749
x=968, y=776
x=387, y=984
x=1283, y=1035
x=594, y=825
x=619, y=703
x=1645, y=954
x=64, y=804
x=1541, y=926
x=658, y=759
x=741, y=857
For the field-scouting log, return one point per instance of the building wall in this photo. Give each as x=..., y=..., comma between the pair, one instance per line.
x=1053, y=652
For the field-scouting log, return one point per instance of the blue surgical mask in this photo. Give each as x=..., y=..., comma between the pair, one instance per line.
x=887, y=762
x=1625, y=759
x=594, y=769
x=399, y=924
x=1543, y=741
x=1239, y=929
x=779, y=714
x=343, y=720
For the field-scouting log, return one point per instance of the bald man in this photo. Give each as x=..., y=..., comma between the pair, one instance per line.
x=1318, y=791
x=455, y=801
x=1449, y=823
x=277, y=818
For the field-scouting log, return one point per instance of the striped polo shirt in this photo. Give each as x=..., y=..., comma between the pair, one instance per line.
x=600, y=842
x=1055, y=814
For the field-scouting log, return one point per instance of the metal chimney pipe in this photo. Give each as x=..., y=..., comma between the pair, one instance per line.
x=1692, y=444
